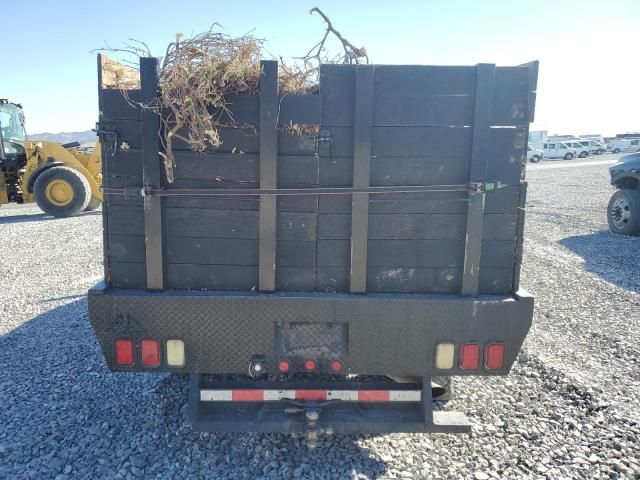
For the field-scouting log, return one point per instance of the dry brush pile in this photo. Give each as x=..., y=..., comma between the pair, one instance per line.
x=198, y=74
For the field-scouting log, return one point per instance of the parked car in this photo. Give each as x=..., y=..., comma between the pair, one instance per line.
x=594, y=147
x=534, y=155
x=583, y=151
x=623, y=213
x=557, y=150
x=618, y=145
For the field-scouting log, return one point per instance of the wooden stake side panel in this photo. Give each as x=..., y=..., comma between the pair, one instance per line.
x=421, y=134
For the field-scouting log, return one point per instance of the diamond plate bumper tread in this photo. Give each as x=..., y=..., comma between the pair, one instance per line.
x=388, y=334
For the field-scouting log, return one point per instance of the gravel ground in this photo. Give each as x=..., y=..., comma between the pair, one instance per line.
x=569, y=409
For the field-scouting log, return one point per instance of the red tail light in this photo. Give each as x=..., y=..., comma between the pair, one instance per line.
x=336, y=366
x=310, y=365
x=494, y=356
x=150, y=352
x=469, y=356
x=284, y=366
x=124, y=352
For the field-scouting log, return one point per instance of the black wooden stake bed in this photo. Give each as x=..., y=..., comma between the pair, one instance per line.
x=388, y=244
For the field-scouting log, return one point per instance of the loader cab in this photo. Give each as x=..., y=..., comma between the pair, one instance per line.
x=12, y=135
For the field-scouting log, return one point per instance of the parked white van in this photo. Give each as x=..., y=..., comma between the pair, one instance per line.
x=594, y=147
x=583, y=151
x=557, y=150
x=618, y=145
x=534, y=155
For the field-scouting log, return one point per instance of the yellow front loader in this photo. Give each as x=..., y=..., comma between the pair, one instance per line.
x=63, y=180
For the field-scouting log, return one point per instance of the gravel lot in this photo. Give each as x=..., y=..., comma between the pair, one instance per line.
x=569, y=409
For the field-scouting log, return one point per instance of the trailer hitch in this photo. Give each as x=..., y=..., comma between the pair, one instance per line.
x=311, y=412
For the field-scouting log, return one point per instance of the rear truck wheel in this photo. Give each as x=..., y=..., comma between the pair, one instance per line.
x=94, y=204
x=616, y=150
x=623, y=213
x=535, y=159
x=62, y=192
x=568, y=156
x=583, y=155
x=599, y=152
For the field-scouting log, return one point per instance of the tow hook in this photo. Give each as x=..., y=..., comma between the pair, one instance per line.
x=311, y=430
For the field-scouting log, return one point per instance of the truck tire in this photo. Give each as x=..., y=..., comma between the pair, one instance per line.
x=94, y=204
x=623, y=213
x=568, y=156
x=62, y=192
x=616, y=150
x=599, y=152
x=535, y=159
x=583, y=155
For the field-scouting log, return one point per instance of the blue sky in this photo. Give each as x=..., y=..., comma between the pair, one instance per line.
x=589, y=50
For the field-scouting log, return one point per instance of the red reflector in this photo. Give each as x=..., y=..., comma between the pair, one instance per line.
x=336, y=366
x=150, y=352
x=124, y=352
x=284, y=366
x=310, y=364
x=247, y=395
x=373, y=395
x=494, y=356
x=469, y=356
x=311, y=395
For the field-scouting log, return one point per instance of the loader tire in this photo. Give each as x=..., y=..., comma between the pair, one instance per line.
x=62, y=192
x=94, y=204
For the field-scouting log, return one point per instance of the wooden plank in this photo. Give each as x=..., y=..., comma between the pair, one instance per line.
x=300, y=109
x=126, y=248
x=151, y=176
x=507, y=155
x=125, y=219
x=416, y=226
x=115, y=106
x=519, y=248
x=416, y=109
x=337, y=79
x=423, y=170
x=294, y=253
x=125, y=163
x=431, y=280
x=363, y=118
x=484, y=94
x=200, y=222
x=296, y=226
x=436, y=253
x=211, y=251
x=395, y=80
x=334, y=253
x=129, y=133
x=495, y=280
x=212, y=277
x=415, y=141
x=332, y=279
x=511, y=96
x=268, y=173
x=127, y=275
x=296, y=278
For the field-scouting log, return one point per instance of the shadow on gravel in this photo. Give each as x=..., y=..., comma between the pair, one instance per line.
x=615, y=258
x=64, y=413
x=37, y=217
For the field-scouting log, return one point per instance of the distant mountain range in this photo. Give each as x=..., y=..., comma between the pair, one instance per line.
x=65, y=137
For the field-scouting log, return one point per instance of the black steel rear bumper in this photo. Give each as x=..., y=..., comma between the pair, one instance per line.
x=386, y=334
x=332, y=417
